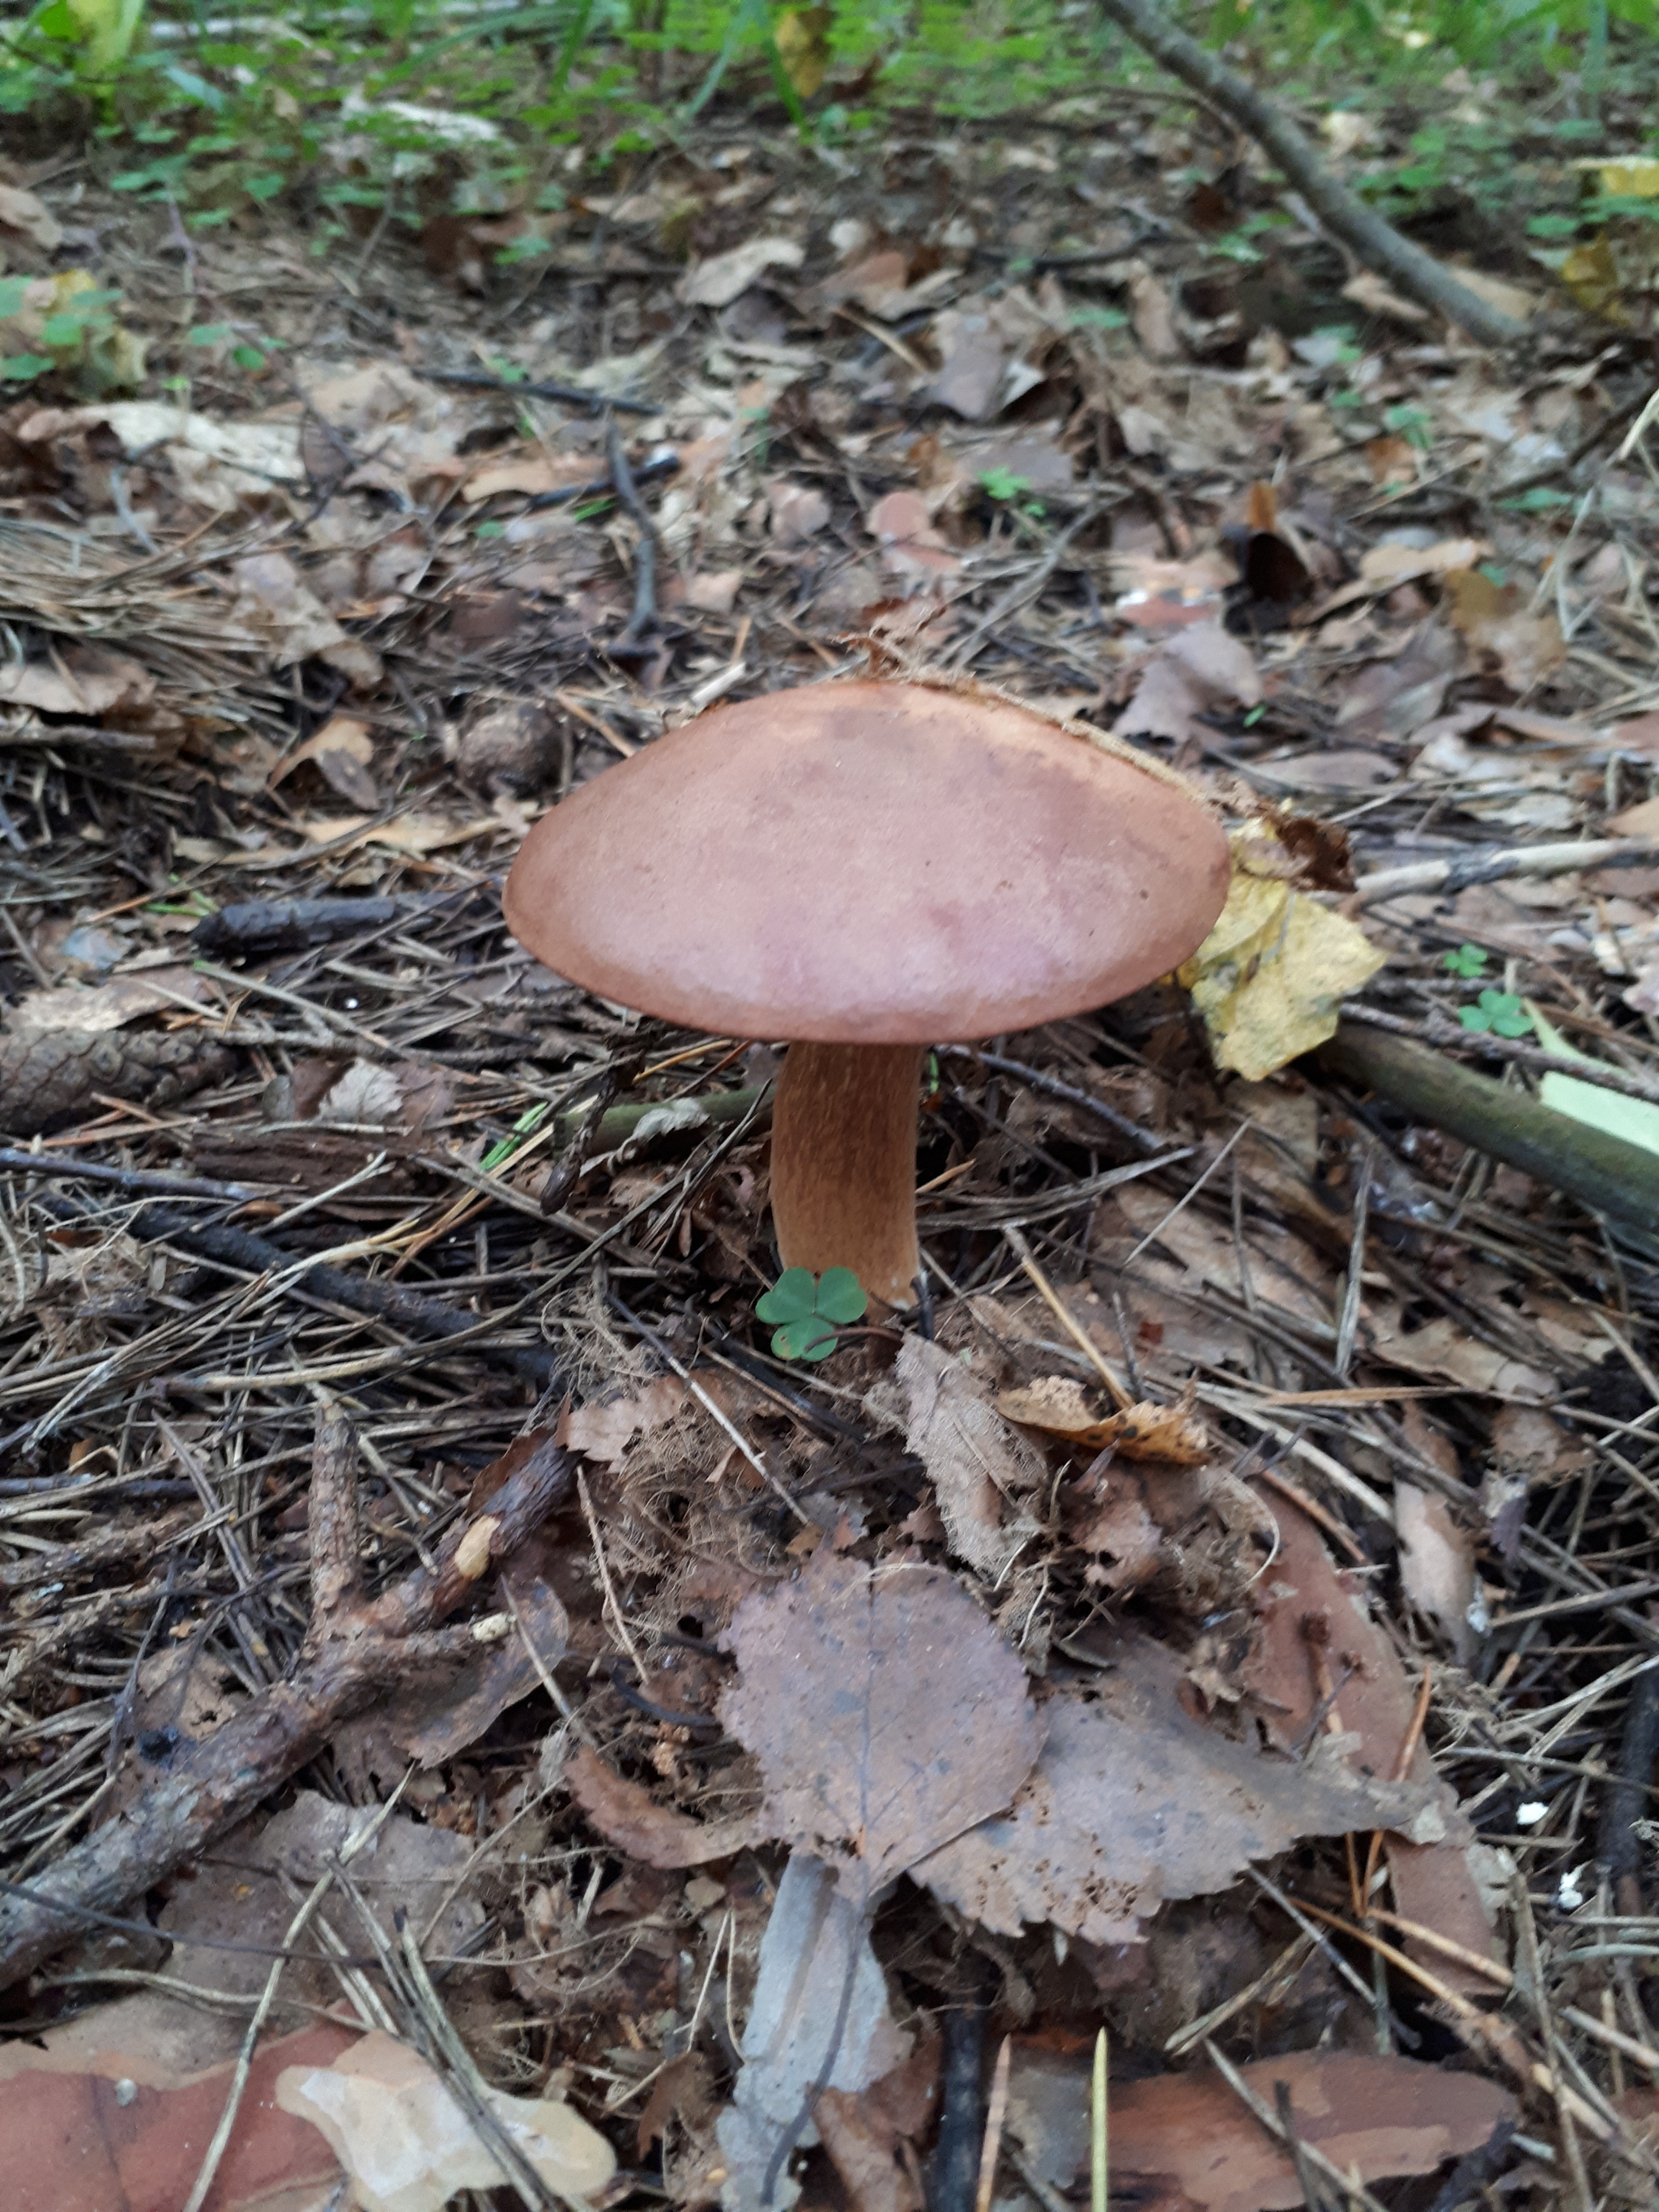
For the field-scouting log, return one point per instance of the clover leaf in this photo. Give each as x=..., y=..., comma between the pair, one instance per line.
x=804, y=1305
x=1500, y=1012
x=1468, y=961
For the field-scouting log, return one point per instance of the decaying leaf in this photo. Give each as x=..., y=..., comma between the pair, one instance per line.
x=818, y=2020
x=1437, y=1563
x=1515, y=642
x=1292, y=1674
x=603, y=1429
x=1200, y=668
x=982, y=1471
x=408, y=2146
x=1056, y=1404
x=628, y=1816
x=887, y=1714
x=910, y=544
x=342, y=752
x=79, y=680
x=1187, y=2140
x=717, y=282
x=1133, y=1803
x=863, y=2131
x=94, y=1008
x=1269, y=978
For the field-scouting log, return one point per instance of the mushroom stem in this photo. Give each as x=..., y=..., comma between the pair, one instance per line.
x=844, y=1163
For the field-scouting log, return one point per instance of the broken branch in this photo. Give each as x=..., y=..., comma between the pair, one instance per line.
x=354, y=1649
x=1344, y=214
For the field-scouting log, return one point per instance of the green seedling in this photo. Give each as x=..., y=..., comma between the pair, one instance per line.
x=1468, y=962
x=806, y=1306
x=1500, y=1012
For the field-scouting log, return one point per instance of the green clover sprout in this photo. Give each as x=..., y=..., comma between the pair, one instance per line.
x=803, y=1303
x=1468, y=961
x=1500, y=1012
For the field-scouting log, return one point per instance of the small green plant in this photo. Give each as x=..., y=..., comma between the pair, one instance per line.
x=1468, y=962
x=807, y=1306
x=1500, y=1012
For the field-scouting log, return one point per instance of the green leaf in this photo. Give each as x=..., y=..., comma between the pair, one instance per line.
x=491, y=530
x=1468, y=961
x=207, y=334
x=1500, y=1012
x=811, y=1338
x=1099, y=319
x=62, y=330
x=842, y=1296
x=1003, y=483
x=791, y=1297
x=248, y=356
x=18, y=367
x=1538, y=501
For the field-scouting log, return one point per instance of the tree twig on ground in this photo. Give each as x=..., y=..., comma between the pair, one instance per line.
x=644, y=616
x=354, y=1648
x=1602, y=1172
x=431, y=1318
x=1377, y=244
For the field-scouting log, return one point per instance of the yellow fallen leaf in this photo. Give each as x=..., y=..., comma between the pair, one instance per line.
x=1636, y=176
x=803, y=41
x=1590, y=273
x=1056, y=1405
x=1270, y=976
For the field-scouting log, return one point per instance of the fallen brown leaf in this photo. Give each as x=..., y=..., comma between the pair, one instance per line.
x=885, y=1710
x=1292, y=1674
x=1187, y=2141
x=1133, y=1803
x=118, y=2133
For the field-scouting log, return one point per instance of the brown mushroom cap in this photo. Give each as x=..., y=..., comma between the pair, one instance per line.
x=868, y=863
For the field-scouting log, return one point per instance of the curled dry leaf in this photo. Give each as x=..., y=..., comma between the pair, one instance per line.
x=981, y=1470
x=887, y=1714
x=1057, y=1405
x=716, y=282
x=1437, y=1564
x=342, y=752
x=627, y=1815
x=407, y=2145
x=1133, y=1803
x=1186, y=2140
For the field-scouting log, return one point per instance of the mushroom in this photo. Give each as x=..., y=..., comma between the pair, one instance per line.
x=866, y=868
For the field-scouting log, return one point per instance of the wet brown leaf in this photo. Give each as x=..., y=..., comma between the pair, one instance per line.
x=887, y=1714
x=1133, y=1803
x=1316, y=1636
x=1185, y=2142
x=604, y=1431
x=1509, y=638
x=863, y=2130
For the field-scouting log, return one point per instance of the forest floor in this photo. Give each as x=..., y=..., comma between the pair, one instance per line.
x=345, y=1251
